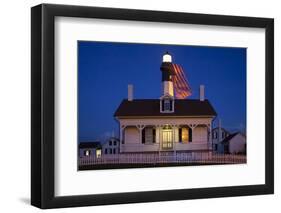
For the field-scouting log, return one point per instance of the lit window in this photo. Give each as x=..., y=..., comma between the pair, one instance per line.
x=98, y=153
x=87, y=152
x=184, y=135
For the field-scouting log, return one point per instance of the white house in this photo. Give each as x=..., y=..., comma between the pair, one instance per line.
x=219, y=134
x=111, y=146
x=233, y=144
x=167, y=123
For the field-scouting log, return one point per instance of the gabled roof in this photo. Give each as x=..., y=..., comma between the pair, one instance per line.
x=151, y=107
x=90, y=145
x=110, y=139
x=228, y=138
x=223, y=129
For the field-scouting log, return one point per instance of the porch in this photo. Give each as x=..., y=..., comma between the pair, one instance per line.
x=165, y=137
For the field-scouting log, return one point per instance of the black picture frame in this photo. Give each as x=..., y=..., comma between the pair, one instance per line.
x=43, y=111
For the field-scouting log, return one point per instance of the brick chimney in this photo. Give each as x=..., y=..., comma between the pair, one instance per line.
x=130, y=92
x=202, y=93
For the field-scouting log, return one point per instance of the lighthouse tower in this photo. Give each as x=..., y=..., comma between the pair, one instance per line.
x=167, y=98
x=167, y=72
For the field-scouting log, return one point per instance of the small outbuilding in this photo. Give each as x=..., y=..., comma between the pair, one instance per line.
x=233, y=144
x=90, y=149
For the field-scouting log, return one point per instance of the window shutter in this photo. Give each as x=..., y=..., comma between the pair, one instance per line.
x=143, y=136
x=190, y=135
x=180, y=134
x=154, y=135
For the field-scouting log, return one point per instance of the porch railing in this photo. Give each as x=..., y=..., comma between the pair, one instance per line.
x=154, y=147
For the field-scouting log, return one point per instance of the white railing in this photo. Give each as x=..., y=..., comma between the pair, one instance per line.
x=154, y=147
x=191, y=146
x=160, y=158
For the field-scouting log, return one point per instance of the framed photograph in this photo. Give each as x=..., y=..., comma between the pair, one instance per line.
x=139, y=106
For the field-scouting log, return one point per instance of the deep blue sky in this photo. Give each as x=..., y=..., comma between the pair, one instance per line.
x=105, y=69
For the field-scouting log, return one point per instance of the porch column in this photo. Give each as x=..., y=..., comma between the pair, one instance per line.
x=192, y=127
x=210, y=136
x=174, y=139
x=140, y=127
x=159, y=137
x=121, y=137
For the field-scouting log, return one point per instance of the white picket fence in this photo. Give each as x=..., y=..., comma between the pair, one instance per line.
x=160, y=158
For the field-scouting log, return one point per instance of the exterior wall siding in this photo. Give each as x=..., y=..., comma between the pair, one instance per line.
x=162, y=121
x=237, y=144
x=132, y=135
x=199, y=134
x=111, y=148
x=157, y=135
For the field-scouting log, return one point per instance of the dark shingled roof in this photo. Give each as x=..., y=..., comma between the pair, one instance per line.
x=89, y=145
x=151, y=107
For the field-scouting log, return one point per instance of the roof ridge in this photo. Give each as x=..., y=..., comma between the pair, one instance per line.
x=151, y=107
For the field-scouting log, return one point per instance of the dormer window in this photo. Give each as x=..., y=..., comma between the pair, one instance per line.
x=166, y=105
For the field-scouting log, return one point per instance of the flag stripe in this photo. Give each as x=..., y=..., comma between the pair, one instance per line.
x=181, y=85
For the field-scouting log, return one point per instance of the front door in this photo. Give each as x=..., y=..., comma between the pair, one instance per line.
x=167, y=141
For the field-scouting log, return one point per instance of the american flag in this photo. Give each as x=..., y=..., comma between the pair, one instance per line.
x=181, y=85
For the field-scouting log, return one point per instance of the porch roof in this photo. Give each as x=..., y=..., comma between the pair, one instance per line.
x=151, y=107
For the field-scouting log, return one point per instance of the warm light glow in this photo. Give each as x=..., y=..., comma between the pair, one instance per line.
x=167, y=126
x=184, y=135
x=168, y=88
x=98, y=153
